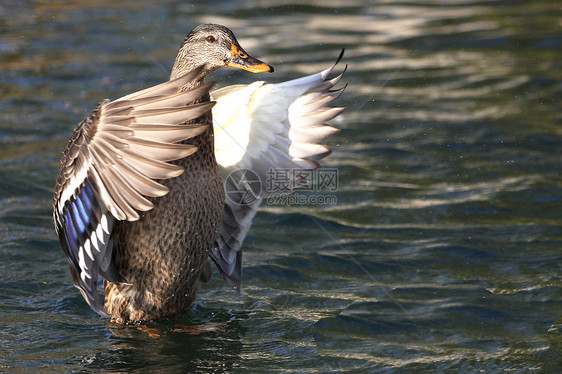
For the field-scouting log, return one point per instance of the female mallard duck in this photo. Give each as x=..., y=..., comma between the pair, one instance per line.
x=139, y=196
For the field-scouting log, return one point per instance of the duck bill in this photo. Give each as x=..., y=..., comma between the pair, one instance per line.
x=240, y=59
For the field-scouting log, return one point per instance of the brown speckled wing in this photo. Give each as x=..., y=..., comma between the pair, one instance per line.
x=112, y=162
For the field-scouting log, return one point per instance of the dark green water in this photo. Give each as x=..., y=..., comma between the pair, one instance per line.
x=442, y=254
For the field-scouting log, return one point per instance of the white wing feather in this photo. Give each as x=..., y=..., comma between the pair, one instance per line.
x=260, y=127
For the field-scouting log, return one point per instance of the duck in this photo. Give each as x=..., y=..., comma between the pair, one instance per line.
x=140, y=199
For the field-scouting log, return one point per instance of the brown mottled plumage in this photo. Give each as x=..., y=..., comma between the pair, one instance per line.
x=139, y=197
x=152, y=262
x=164, y=280
x=178, y=232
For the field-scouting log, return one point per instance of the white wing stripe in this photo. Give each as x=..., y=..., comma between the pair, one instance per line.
x=100, y=235
x=104, y=224
x=88, y=249
x=82, y=263
x=71, y=187
x=94, y=239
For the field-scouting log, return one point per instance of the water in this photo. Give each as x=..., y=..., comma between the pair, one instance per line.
x=442, y=253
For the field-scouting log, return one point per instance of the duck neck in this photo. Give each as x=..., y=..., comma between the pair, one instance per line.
x=186, y=63
x=205, y=143
x=197, y=80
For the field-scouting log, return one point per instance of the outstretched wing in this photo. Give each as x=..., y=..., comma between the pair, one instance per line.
x=111, y=165
x=262, y=127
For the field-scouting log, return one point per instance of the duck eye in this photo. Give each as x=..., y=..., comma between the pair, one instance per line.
x=211, y=39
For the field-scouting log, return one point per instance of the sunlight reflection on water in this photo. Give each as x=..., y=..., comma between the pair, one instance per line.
x=442, y=253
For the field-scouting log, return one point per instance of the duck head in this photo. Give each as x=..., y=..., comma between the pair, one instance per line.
x=213, y=47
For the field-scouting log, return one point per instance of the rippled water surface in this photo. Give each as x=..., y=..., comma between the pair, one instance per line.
x=442, y=254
